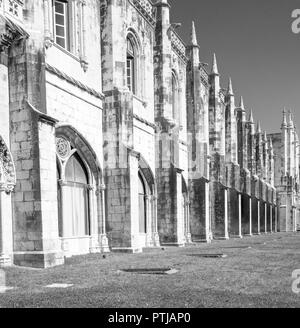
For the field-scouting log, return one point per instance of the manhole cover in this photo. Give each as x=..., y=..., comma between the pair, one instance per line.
x=212, y=256
x=152, y=271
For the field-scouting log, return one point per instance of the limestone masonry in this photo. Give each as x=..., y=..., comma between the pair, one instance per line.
x=115, y=137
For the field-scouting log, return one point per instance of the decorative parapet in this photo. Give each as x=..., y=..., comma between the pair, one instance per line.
x=13, y=9
x=146, y=9
x=222, y=96
x=178, y=45
x=204, y=77
x=11, y=21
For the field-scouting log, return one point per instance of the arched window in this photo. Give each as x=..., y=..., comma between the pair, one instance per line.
x=175, y=97
x=142, y=206
x=62, y=11
x=75, y=200
x=131, y=65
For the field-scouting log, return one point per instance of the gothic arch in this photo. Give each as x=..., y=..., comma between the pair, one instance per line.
x=79, y=144
x=135, y=65
x=131, y=33
x=81, y=193
x=147, y=174
x=7, y=168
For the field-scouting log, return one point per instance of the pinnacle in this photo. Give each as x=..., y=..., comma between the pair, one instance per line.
x=215, y=66
x=242, y=103
x=230, y=89
x=251, y=119
x=194, y=41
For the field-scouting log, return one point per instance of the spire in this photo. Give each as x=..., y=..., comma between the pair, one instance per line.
x=258, y=127
x=242, y=103
x=270, y=143
x=230, y=89
x=290, y=122
x=284, y=119
x=194, y=41
x=251, y=119
x=265, y=137
x=214, y=70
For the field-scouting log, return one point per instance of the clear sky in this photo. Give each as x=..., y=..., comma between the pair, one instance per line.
x=255, y=45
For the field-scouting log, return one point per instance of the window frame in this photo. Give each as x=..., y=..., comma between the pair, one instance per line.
x=131, y=64
x=67, y=27
x=175, y=97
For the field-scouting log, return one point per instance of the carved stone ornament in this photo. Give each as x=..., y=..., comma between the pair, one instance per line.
x=63, y=148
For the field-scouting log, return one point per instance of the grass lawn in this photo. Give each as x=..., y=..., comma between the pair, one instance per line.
x=260, y=276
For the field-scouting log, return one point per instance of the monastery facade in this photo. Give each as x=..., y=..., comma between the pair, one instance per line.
x=114, y=136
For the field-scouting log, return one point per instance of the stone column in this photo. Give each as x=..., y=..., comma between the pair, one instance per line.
x=103, y=240
x=271, y=218
x=64, y=214
x=94, y=242
x=294, y=219
x=200, y=221
x=276, y=219
x=149, y=235
x=250, y=216
x=240, y=215
x=255, y=213
x=155, y=236
x=226, y=235
x=188, y=236
x=180, y=224
x=258, y=217
x=266, y=218
x=6, y=241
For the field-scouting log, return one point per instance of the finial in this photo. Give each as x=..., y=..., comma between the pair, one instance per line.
x=251, y=119
x=258, y=127
x=242, y=103
x=284, y=119
x=230, y=89
x=290, y=122
x=270, y=143
x=194, y=41
x=215, y=66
